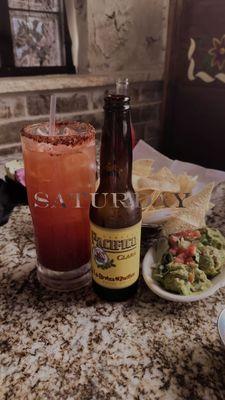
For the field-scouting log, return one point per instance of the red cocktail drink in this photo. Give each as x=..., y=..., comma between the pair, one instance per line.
x=60, y=175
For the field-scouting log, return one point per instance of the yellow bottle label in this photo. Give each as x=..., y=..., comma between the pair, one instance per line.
x=115, y=255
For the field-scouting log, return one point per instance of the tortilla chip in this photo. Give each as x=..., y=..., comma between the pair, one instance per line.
x=166, y=198
x=145, y=199
x=155, y=183
x=175, y=225
x=158, y=216
x=135, y=182
x=165, y=173
x=201, y=200
x=174, y=199
x=155, y=196
x=142, y=167
x=159, y=202
x=170, y=200
x=148, y=198
x=194, y=213
x=185, y=219
x=187, y=183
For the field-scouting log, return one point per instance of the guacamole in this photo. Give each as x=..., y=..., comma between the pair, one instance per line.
x=211, y=260
x=212, y=237
x=193, y=258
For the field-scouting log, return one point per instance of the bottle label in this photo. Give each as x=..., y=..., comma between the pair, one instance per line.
x=115, y=255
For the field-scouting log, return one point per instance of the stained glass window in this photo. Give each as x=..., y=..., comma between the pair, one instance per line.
x=38, y=5
x=34, y=37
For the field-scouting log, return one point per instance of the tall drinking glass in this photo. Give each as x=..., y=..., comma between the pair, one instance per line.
x=60, y=173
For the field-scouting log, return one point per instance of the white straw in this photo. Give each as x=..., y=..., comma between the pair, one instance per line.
x=52, y=115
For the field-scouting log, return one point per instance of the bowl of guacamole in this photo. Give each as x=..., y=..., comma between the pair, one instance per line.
x=186, y=264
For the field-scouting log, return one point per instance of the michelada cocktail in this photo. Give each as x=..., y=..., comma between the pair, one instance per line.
x=60, y=172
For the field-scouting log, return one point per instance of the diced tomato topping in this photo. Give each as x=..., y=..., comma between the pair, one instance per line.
x=187, y=235
x=185, y=259
x=189, y=260
x=173, y=240
x=173, y=251
x=184, y=256
x=181, y=250
x=181, y=258
x=191, y=251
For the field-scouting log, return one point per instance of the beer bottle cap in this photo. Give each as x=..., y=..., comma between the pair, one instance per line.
x=117, y=101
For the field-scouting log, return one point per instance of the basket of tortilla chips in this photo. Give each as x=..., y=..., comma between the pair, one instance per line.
x=170, y=199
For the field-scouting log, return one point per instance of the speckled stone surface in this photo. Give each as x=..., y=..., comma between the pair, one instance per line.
x=67, y=346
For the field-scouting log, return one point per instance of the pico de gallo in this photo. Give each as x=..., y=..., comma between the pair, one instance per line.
x=192, y=260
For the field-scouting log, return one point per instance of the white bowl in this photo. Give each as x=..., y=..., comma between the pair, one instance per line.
x=153, y=257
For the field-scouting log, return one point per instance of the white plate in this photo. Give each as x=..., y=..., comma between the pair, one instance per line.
x=153, y=257
x=221, y=326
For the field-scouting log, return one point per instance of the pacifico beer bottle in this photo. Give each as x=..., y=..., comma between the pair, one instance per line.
x=115, y=212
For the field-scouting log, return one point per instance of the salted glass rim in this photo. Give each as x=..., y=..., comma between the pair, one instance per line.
x=81, y=132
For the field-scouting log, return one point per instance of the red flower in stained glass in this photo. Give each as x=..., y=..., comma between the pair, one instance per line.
x=218, y=53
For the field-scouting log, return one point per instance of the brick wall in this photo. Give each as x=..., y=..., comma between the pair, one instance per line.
x=17, y=110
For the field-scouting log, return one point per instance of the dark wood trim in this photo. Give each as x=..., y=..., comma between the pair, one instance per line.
x=35, y=11
x=68, y=42
x=6, y=45
x=175, y=10
x=193, y=109
x=31, y=71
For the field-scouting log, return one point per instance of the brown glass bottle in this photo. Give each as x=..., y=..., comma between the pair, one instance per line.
x=115, y=213
x=122, y=87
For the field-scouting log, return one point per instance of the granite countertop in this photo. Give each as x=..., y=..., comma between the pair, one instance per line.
x=67, y=346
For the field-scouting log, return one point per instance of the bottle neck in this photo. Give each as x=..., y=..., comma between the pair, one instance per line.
x=122, y=86
x=116, y=152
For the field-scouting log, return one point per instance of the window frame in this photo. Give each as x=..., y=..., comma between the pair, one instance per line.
x=8, y=67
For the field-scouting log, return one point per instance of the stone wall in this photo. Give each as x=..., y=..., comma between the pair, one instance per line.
x=118, y=35
x=126, y=34
x=83, y=104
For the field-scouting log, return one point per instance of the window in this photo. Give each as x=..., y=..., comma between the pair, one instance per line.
x=34, y=38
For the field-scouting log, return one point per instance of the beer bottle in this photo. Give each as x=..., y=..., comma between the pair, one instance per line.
x=115, y=213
